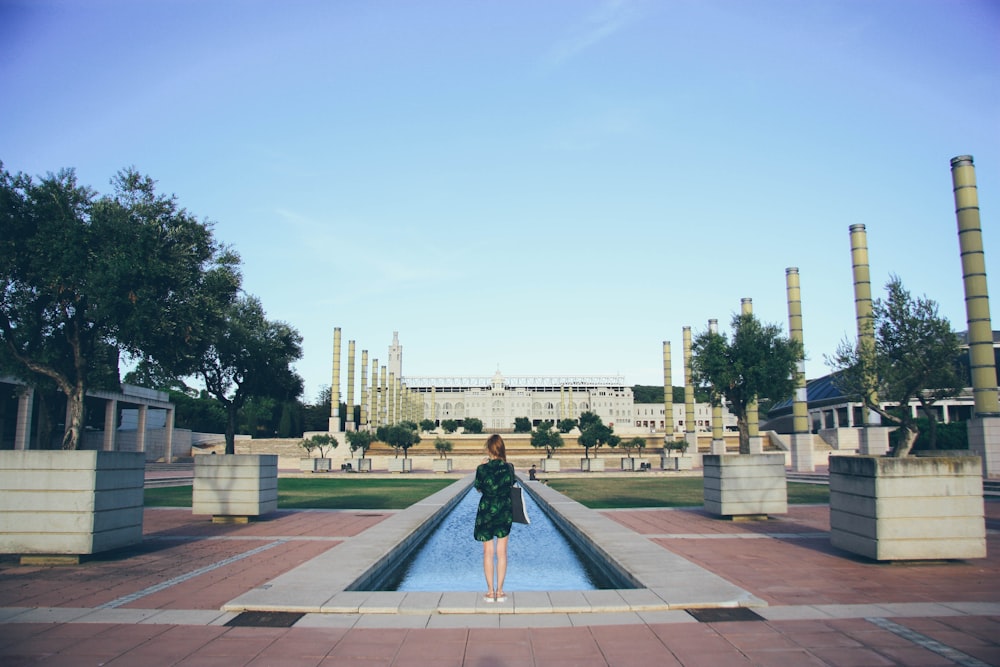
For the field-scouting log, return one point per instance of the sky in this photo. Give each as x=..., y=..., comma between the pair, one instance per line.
x=540, y=188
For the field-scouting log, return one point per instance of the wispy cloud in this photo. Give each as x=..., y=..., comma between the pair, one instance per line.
x=597, y=26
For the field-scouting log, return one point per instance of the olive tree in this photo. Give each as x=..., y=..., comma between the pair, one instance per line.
x=545, y=437
x=756, y=362
x=915, y=356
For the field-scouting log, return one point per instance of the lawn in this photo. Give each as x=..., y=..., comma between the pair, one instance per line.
x=328, y=494
x=594, y=492
x=617, y=492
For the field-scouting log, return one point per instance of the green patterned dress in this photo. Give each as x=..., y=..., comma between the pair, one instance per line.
x=494, y=516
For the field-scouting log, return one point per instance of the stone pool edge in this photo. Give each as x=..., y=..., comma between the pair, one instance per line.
x=667, y=581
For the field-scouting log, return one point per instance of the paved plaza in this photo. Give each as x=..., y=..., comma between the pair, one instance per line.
x=164, y=602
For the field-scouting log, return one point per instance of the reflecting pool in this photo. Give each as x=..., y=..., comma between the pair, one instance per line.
x=539, y=557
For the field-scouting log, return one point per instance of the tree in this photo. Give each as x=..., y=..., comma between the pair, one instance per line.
x=442, y=446
x=635, y=443
x=915, y=356
x=593, y=432
x=449, y=425
x=399, y=436
x=545, y=437
x=84, y=279
x=320, y=441
x=250, y=356
x=427, y=425
x=359, y=440
x=522, y=425
x=757, y=362
x=473, y=425
x=566, y=425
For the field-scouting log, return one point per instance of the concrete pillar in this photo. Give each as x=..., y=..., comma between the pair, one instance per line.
x=801, y=439
x=753, y=414
x=393, y=386
x=334, y=426
x=25, y=408
x=984, y=427
x=690, y=424
x=168, y=447
x=433, y=415
x=668, y=395
x=873, y=438
x=110, y=424
x=350, y=425
x=140, y=428
x=364, y=391
x=373, y=413
x=383, y=399
x=718, y=430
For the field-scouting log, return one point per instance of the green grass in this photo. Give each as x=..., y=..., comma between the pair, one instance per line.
x=296, y=493
x=618, y=493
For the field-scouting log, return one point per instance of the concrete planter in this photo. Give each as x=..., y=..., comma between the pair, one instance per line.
x=314, y=465
x=745, y=485
x=677, y=462
x=362, y=465
x=442, y=465
x=401, y=465
x=70, y=503
x=592, y=465
x=628, y=463
x=913, y=508
x=549, y=465
x=235, y=487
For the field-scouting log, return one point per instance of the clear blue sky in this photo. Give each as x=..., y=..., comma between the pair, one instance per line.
x=541, y=187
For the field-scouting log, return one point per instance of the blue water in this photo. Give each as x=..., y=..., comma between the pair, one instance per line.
x=539, y=556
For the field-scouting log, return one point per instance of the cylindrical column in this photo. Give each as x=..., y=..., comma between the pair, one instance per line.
x=363, y=422
x=374, y=416
x=863, y=305
x=718, y=437
x=753, y=414
x=800, y=406
x=977, y=301
x=350, y=385
x=690, y=428
x=668, y=394
x=335, y=384
x=433, y=415
x=383, y=399
x=25, y=408
x=393, y=385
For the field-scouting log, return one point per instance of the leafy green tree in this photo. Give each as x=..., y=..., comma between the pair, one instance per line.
x=566, y=425
x=473, y=425
x=320, y=441
x=545, y=437
x=359, y=440
x=399, y=436
x=636, y=443
x=757, y=362
x=593, y=433
x=427, y=425
x=915, y=356
x=449, y=425
x=522, y=425
x=199, y=413
x=442, y=446
x=84, y=279
x=588, y=419
x=251, y=357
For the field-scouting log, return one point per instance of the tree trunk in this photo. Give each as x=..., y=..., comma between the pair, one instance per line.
x=74, y=417
x=909, y=435
x=932, y=423
x=744, y=428
x=230, y=429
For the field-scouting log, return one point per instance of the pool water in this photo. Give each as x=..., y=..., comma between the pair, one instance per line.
x=539, y=556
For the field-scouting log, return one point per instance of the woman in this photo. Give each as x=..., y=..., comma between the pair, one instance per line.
x=494, y=516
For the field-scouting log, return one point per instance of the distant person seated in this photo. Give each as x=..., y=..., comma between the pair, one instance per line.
x=531, y=474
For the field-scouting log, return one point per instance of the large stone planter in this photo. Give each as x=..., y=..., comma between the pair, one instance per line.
x=913, y=508
x=362, y=465
x=628, y=463
x=549, y=465
x=401, y=465
x=592, y=465
x=677, y=462
x=442, y=465
x=235, y=487
x=315, y=465
x=69, y=503
x=745, y=485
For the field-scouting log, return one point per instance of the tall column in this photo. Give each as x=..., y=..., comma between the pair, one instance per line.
x=363, y=425
x=140, y=428
x=350, y=387
x=335, y=385
x=801, y=439
x=110, y=424
x=718, y=430
x=168, y=428
x=668, y=395
x=383, y=399
x=984, y=427
x=374, y=416
x=393, y=418
x=25, y=408
x=872, y=439
x=753, y=413
x=433, y=415
x=690, y=424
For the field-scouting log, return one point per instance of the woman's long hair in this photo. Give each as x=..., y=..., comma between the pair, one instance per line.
x=496, y=448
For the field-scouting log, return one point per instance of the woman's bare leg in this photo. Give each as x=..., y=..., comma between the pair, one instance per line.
x=501, y=562
x=488, y=564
